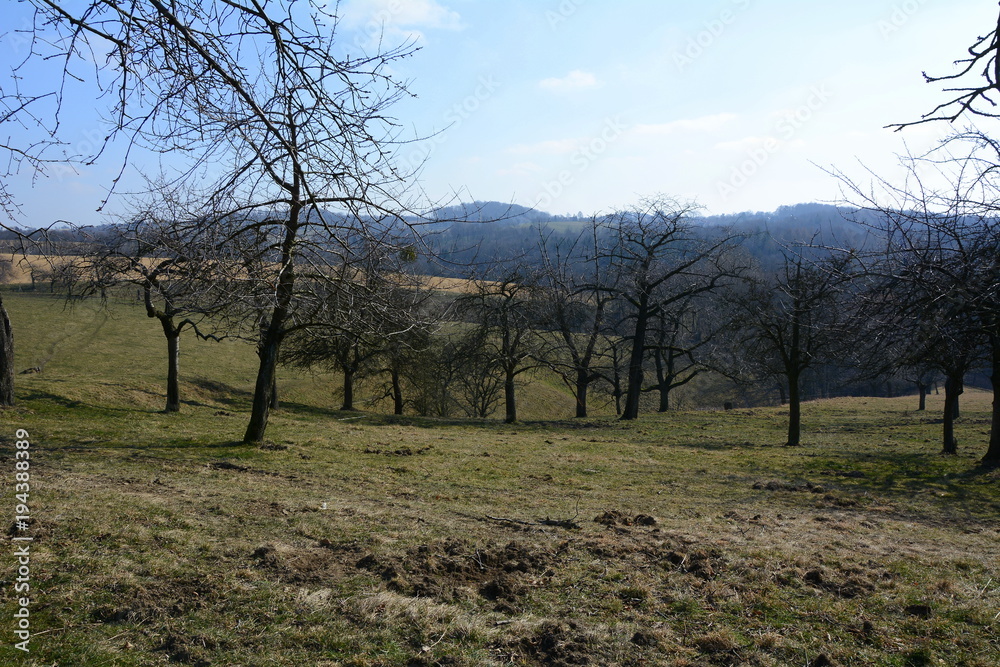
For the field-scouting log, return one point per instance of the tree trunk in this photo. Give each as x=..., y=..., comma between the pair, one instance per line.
x=348, y=391
x=268, y=353
x=272, y=335
x=992, y=458
x=782, y=395
x=634, y=388
x=793, y=370
x=794, y=411
x=922, y=388
x=582, y=383
x=274, y=392
x=952, y=390
x=173, y=372
x=665, y=397
x=6, y=358
x=397, y=392
x=510, y=399
x=173, y=335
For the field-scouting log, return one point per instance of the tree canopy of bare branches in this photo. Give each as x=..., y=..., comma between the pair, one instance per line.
x=283, y=138
x=662, y=261
x=973, y=88
x=939, y=269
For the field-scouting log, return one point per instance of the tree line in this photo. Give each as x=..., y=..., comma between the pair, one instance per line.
x=634, y=304
x=283, y=218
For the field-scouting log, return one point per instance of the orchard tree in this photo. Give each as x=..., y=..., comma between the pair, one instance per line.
x=576, y=292
x=290, y=139
x=505, y=311
x=369, y=309
x=794, y=318
x=973, y=92
x=938, y=274
x=6, y=359
x=175, y=273
x=682, y=336
x=661, y=259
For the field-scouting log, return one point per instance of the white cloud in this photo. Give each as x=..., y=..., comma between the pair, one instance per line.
x=703, y=124
x=521, y=169
x=575, y=80
x=398, y=20
x=745, y=144
x=550, y=147
x=412, y=13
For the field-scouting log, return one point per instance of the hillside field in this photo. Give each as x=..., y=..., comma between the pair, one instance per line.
x=365, y=540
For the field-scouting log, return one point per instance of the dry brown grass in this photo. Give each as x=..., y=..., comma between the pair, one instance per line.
x=360, y=539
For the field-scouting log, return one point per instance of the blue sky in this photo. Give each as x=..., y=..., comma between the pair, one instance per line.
x=587, y=106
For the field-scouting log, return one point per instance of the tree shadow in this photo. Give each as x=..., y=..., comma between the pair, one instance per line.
x=223, y=393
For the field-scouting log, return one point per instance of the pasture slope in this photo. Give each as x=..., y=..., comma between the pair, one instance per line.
x=691, y=538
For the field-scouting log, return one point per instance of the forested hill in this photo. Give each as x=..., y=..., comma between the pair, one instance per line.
x=481, y=231
x=515, y=231
x=808, y=217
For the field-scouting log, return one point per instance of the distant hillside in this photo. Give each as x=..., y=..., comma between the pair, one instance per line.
x=497, y=213
x=506, y=231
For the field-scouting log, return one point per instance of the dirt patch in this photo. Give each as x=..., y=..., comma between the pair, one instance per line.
x=29, y=527
x=643, y=550
x=796, y=487
x=619, y=518
x=299, y=565
x=189, y=650
x=702, y=563
x=155, y=600
x=850, y=583
x=451, y=570
x=402, y=451
x=557, y=644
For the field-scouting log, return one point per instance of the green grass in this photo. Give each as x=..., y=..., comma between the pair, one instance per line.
x=366, y=539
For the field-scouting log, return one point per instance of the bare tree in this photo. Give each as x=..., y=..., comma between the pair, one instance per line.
x=662, y=259
x=939, y=267
x=681, y=335
x=975, y=92
x=173, y=261
x=370, y=309
x=795, y=318
x=504, y=312
x=480, y=386
x=6, y=358
x=291, y=140
x=575, y=293
x=976, y=97
x=437, y=374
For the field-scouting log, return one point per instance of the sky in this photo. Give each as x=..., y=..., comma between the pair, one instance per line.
x=587, y=106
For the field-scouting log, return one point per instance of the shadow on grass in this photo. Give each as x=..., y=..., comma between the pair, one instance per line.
x=733, y=446
x=938, y=478
x=95, y=410
x=223, y=393
x=82, y=408
x=382, y=419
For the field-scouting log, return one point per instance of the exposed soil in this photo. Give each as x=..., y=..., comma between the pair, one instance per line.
x=300, y=565
x=556, y=644
x=455, y=569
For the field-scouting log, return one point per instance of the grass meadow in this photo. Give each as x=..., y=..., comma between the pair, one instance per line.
x=365, y=540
